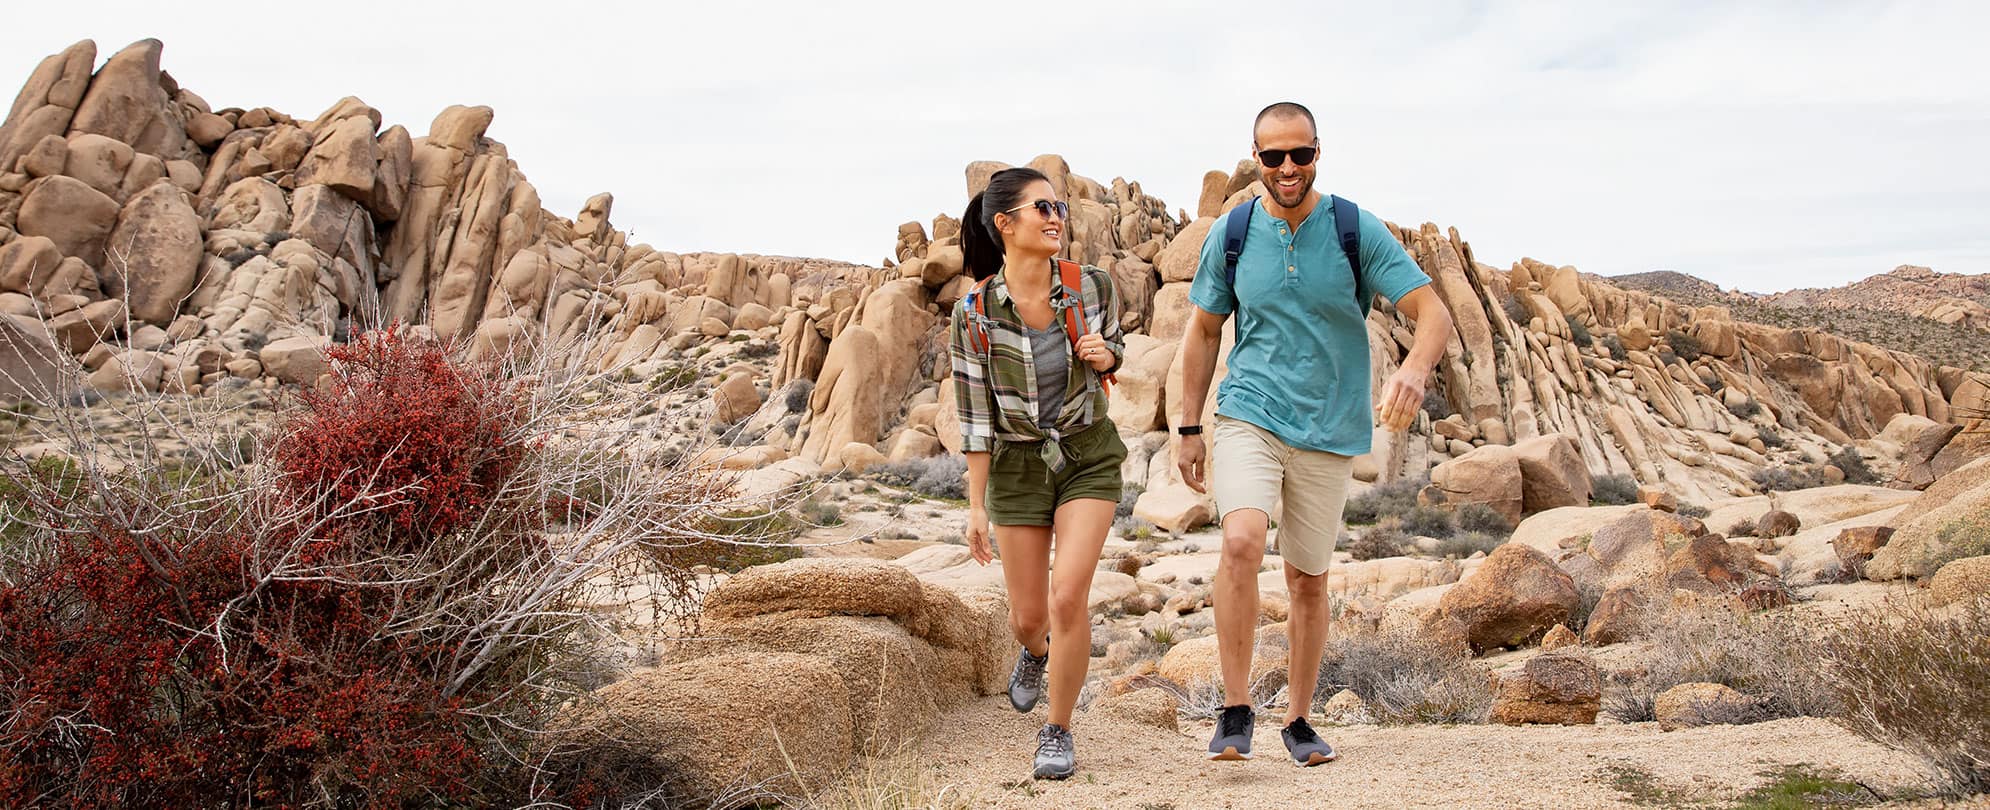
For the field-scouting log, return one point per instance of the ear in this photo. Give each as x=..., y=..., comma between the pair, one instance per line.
x=1003, y=223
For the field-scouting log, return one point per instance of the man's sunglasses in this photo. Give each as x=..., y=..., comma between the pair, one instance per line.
x=1046, y=207
x=1274, y=158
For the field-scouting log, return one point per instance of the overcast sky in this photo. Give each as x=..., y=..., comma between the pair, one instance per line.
x=1762, y=146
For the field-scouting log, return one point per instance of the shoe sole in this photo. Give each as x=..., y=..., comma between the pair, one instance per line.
x=1020, y=708
x=1315, y=759
x=1229, y=754
x=1054, y=775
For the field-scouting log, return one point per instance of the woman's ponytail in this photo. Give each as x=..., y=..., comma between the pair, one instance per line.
x=980, y=244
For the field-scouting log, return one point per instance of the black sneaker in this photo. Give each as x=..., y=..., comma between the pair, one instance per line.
x=1233, y=734
x=1306, y=747
x=1056, y=756
x=1026, y=680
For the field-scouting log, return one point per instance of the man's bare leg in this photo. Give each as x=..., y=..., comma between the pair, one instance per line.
x=1236, y=600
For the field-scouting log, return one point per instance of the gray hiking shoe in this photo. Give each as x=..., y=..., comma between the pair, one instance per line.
x=1305, y=745
x=1233, y=734
x=1026, y=680
x=1056, y=758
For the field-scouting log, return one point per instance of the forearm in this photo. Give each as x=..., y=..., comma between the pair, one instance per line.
x=977, y=480
x=1432, y=333
x=1198, y=367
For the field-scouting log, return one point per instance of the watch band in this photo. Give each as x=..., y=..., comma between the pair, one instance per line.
x=1189, y=430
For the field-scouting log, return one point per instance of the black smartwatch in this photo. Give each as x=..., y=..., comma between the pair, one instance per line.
x=1189, y=430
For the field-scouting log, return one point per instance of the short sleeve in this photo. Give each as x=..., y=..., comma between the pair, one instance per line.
x=1385, y=266
x=1211, y=291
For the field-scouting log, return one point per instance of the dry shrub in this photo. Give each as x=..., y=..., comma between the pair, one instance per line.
x=1613, y=490
x=1914, y=678
x=1771, y=657
x=1392, y=499
x=941, y=476
x=438, y=556
x=1377, y=542
x=1407, y=677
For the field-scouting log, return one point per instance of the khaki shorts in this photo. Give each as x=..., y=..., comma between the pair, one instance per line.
x=1249, y=468
x=1022, y=491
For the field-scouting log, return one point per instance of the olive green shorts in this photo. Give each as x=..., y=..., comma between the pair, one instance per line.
x=1022, y=491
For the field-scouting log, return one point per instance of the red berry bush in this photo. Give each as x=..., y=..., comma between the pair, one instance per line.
x=383, y=612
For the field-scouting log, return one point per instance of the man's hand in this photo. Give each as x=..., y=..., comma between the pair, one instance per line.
x=1401, y=397
x=977, y=536
x=1189, y=459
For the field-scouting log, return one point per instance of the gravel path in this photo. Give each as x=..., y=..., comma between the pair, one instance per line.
x=983, y=750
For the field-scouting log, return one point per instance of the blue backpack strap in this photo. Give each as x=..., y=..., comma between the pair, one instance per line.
x=1236, y=225
x=1347, y=223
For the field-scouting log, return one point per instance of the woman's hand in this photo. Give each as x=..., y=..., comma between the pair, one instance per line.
x=1092, y=351
x=977, y=535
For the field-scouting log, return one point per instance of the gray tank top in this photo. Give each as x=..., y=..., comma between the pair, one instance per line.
x=1053, y=368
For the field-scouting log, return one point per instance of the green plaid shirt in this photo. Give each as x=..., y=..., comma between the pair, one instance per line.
x=995, y=390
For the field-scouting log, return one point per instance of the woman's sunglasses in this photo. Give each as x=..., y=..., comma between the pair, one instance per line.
x=1046, y=207
x=1274, y=158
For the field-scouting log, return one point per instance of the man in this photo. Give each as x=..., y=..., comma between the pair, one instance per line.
x=1294, y=408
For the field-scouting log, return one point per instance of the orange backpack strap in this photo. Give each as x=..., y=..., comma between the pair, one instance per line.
x=1072, y=276
x=976, y=335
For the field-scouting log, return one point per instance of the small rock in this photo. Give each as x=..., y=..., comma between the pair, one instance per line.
x=1702, y=704
x=1777, y=523
x=1558, y=637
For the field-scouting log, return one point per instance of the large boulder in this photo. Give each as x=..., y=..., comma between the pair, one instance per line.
x=1856, y=546
x=1489, y=475
x=296, y=360
x=1178, y=261
x=1922, y=545
x=1149, y=706
x=1552, y=473
x=698, y=727
x=1919, y=439
x=30, y=362
x=47, y=103
x=158, y=237
x=1961, y=580
x=1513, y=597
x=818, y=587
x=76, y=217
x=1138, y=399
x=1195, y=662
x=127, y=102
x=735, y=398
x=1561, y=687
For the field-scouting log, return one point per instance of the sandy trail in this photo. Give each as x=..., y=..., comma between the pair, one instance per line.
x=983, y=750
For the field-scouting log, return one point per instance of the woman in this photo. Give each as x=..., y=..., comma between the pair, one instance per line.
x=1042, y=458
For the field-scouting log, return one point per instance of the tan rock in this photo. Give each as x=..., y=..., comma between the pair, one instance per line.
x=1619, y=616
x=1559, y=637
x=47, y=103
x=297, y=360
x=818, y=587
x=1174, y=507
x=126, y=102
x=1960, y=581
x=1151, y=706
x=1138, y=399
x=857, y=458
x=735, y=398
x=76, y=217
x=251, y=204
x=1855, y=547
x=344, y=154
x=87, y=326
x=99, y=162
x=1552, y=473
x=1178, y=261
x=1658, y=499
x=47, y=158
x=913, y=443
x=130, y=370
x=1925, y=542
x=1701, y=704
x=207, y=130
x=29, y=364
x=1489, y=475
x=1348, y=709
x=1777, y=523
x=1563, y=688
x=158, y=238
x=1516, y=595
x=714, y=722
x=27, y=263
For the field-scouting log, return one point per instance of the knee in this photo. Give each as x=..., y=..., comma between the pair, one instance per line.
x=1243, y=548
x=1307, y=587
x=1070, y=610
x=1028, y=622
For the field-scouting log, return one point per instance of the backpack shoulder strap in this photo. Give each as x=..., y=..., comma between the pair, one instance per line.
x=1347, y=224
x=976, y=335
x=1236, y=225
x=1072, y=276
